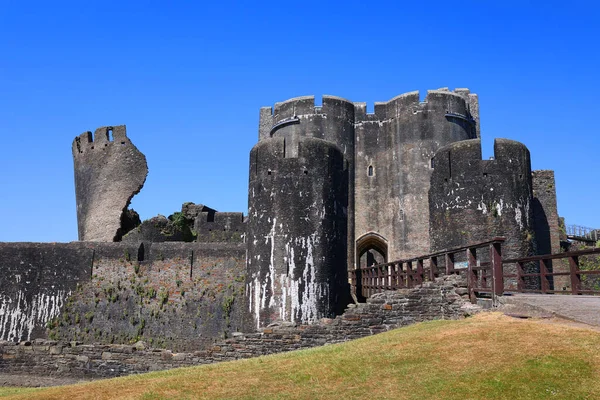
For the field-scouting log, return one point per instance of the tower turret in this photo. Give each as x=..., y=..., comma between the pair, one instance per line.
x=473, y=199
x=297, y=230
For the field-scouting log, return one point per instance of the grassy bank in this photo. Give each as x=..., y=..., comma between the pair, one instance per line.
x=489, y=356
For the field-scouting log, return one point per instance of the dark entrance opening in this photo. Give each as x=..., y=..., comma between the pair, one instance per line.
x=371, y=249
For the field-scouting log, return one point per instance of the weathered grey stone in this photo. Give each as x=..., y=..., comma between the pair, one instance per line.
x=140, y=345
x=495, y=197
x=109, y=171
x=305, y=245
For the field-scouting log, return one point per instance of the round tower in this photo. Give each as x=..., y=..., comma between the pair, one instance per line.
x=472, y=200
x=333, y=122
x=297, y=230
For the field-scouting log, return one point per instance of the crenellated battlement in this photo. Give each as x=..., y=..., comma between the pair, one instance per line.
x=510, y=150
x=295, y=106
x=459, y=105
x=407, y=104
x=103, y=137
x=220, y=227
x=506, y=151
x=465, y=158
x=305, y=105
x=301, y=108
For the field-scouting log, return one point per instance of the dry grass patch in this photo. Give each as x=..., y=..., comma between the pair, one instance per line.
x=490, y=356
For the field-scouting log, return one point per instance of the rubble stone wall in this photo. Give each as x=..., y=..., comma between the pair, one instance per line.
x=442, y=299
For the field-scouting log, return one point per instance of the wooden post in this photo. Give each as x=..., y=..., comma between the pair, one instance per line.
x=432, y=268
x=575, y=278
x=409, y=277
x=420, y=277
x=449, y=263
x=544, y=276
x=401, y=276
x=497, y=275
x=471, y=276
x=520, y=278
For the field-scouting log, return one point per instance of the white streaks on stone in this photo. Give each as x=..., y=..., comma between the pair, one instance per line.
x=499, y=206
x=18, y=317
x=288, y=291
x=518, y=216
x=271, y=276
x=482, y=207
x=308, y=308
x=521, y=213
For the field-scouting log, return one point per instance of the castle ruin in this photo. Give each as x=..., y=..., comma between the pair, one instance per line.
x=331, y=188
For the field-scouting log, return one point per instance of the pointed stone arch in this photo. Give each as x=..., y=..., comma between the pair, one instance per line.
x=371, y=248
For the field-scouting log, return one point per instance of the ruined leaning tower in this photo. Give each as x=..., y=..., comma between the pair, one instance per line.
x=109, y=171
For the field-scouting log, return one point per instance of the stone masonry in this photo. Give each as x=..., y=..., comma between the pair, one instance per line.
x=442, y=299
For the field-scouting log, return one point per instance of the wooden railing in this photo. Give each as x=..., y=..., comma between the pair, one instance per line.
x=476, y=259
x=545, y=273
x=486, y=271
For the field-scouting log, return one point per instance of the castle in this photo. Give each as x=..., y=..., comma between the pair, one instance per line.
x=331, y=188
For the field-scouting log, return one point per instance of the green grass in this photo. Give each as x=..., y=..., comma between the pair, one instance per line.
x=489, y=356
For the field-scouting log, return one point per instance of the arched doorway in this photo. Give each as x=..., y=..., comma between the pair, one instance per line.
x=371, y=249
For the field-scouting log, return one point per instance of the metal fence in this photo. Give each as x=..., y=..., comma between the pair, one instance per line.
x=583, y=232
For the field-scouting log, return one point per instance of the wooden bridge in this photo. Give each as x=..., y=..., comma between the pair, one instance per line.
x=488, y=273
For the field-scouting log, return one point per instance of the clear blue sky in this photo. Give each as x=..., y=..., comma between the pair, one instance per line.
x=188, y=79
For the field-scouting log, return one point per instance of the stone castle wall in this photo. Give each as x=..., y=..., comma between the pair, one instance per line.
x=36, y=281
x=382, y=312
x=472, y=199
x=547, y=226
x=394, y=149
x=179, y=295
